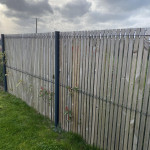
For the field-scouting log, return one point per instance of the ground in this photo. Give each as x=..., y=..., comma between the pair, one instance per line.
x=22, y=128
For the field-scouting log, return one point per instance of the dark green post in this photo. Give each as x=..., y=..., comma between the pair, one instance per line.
x=56, y=78
x=4, y=62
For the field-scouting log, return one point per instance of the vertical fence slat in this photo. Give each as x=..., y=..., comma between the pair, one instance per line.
x=91, y=91
x=83, y=85
x=80, y=84
x=111, y=64
x=105, y=90
x=96, y=53
x=60, y=81
x=98, y=90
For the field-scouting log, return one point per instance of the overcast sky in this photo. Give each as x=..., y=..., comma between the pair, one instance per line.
x=17, y=16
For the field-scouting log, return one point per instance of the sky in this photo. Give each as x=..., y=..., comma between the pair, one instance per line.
x=18, y=16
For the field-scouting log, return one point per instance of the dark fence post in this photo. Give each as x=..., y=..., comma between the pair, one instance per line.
x=4, y=62
x=56, y=78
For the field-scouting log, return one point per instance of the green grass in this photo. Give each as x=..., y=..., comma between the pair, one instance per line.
x=22, y=128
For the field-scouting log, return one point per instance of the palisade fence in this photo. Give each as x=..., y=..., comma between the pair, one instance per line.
x=104, y=83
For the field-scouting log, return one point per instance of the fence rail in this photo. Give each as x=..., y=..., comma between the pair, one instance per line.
x=80, y=91
x=104, y=83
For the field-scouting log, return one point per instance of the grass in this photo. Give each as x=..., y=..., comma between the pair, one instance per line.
x=22, y=128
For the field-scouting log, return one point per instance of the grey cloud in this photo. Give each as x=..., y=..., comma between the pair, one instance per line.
x=22, y=8
x=11, y=13
x=75, y=8
x=117, y=10
x=124, y=5
x=96, y=16
x=29, y=22
x=25, y=22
